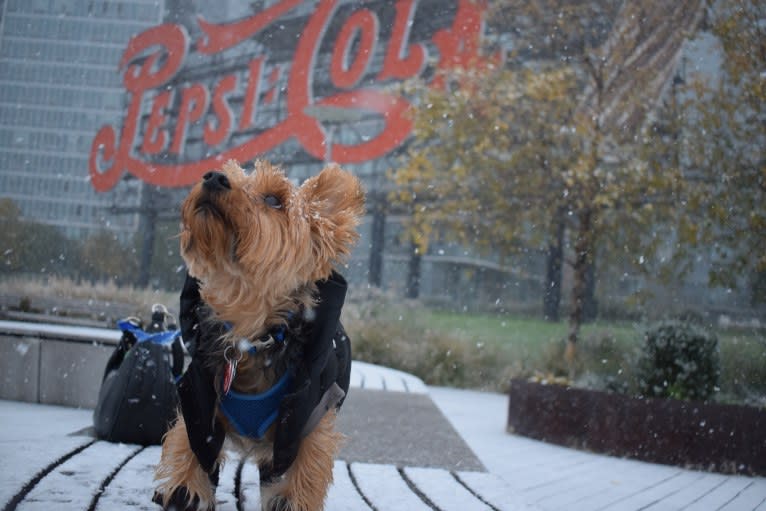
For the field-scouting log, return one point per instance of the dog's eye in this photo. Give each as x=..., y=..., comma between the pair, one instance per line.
x=272, y=201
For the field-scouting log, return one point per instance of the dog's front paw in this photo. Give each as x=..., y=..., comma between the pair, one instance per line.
x=180, y=500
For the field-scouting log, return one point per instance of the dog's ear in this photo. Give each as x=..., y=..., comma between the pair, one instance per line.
x=334, y=201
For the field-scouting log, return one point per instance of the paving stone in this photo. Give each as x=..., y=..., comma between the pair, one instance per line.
x=403, y=429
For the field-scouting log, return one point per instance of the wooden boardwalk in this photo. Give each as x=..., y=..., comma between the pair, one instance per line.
x=374, y=377
x=550, y=477
x=96, y=475
x=75, y=472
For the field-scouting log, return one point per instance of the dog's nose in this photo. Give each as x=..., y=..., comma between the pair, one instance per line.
x=216, y=181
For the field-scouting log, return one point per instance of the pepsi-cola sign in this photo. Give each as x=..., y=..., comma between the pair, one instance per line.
x=155, y=57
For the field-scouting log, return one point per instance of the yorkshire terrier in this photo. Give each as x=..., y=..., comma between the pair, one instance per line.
x=260, y=308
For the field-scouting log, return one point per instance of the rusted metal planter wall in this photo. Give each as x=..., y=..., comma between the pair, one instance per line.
x=724, y=438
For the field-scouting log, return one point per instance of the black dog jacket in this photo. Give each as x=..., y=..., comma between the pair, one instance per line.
x=320, y=361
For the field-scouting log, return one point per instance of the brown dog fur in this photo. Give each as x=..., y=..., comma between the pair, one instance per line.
x=257, y=250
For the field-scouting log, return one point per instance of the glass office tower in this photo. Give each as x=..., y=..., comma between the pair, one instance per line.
x=59, y=83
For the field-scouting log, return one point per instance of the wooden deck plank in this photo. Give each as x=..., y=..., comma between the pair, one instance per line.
x=575, y=480
x=443, y=490
x=397, y=381
x=225, y=497
x=641, y=479
x=494, y=490
x=540, y=482
x=373, y=381
x=720, y=496
x=752, y=496
x=133, y=486
x=250, y=489
x=356, y=379
x=23, y=461
x=609, y=476
x=654, y=494
x=370, y=376
x=73, y=484
x=343, y=495
x=545, y=462
x=385, y=489
x=578, y=493
x=686, y=495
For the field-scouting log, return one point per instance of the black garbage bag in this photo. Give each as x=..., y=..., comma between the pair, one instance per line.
x=138, y=399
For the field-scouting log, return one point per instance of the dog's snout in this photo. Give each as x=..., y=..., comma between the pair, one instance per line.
x=216, y=181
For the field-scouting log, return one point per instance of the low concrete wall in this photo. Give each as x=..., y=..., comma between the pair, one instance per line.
x=53, y=364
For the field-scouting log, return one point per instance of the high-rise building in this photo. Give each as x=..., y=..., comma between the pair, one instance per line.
x=59, y=83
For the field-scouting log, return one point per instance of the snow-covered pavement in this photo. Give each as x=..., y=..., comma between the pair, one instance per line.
x=48, y=461
x=550, y=477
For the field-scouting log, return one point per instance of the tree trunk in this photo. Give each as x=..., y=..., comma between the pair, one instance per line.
x=378, y=239
x=147, y=225
x=553, y=263
x=413, y=273
x=590, y=304
x=583, y=248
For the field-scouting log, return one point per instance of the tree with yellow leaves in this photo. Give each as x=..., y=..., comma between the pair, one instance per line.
x=724, y=149
x=507, y=154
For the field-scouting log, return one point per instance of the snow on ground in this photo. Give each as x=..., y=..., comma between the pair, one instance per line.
x=481, y=419
x=29, y=421
x=31, y=437
x=74, y=483
x=23, y=460
x=523, y=473
x=27, y=442
x=385, y=488
x=551, y=477
x=133, y=486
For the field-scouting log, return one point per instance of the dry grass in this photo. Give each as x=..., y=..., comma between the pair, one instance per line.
x=100, y=302
x=102, y=291
x=384, y=330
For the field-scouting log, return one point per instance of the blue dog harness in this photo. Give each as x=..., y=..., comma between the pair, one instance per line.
x=253, y=414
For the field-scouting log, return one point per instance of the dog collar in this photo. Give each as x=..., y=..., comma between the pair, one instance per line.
x=232, y=355
x=277, y=333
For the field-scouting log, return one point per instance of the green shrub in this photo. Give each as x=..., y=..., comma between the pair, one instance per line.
x=679, y=360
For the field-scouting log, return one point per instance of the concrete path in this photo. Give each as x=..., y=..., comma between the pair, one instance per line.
x=410, y=448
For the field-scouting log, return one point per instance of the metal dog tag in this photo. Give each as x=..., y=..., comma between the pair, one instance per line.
x=229, y=373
